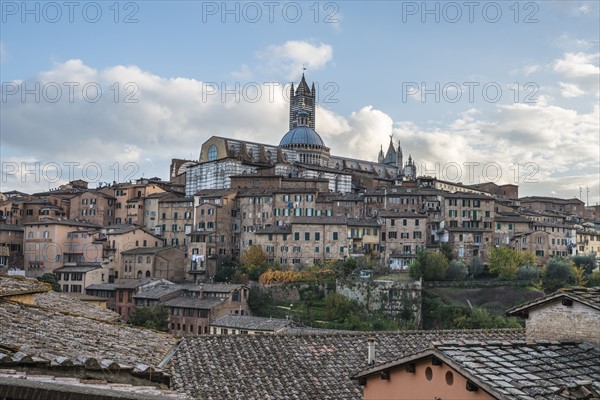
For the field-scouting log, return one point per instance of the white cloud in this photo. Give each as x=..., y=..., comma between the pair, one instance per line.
x=584, y=9
x=570, y=90
x=526, y=70
x=569, y=43
x=243, y=74
x=579, y=66
x=174, y=116
x=288, y=58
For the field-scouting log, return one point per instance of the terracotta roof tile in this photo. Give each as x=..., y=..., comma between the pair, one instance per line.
x=295, y=366
x=16, y=285
x=587, y=296
x=51, y=334
x=518, y=370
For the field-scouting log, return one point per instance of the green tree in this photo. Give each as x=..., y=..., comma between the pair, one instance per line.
x=224, y=274
x=52, y=280
x=588, y=263
x=254, y=262
x=309, y=295
x=476, y=267
x=594, y=279
x=156, y=317
x=557, y=274
x=429, y=265
x=527, y=272
x=481, y=318
x=504, y=261
x=338, y=307
x=258, y=300
x=457, y=271
x=446, y=250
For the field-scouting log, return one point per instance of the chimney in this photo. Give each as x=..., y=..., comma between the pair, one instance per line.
x=201, y=291
x=371, y=351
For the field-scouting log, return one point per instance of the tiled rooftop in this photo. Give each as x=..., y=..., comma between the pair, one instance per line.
x=158, y=291
x=12, y=380
x=250, y=322
x=69, y=303
x=587, y=296
x=541, y=371
x=54, y=335
x=515, y=369
x=221, y=287
x=295, y=366
x=15, y=285
x=192, y=302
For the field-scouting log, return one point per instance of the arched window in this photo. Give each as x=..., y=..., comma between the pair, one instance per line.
x=139, y=259
x=148, y=260
x=139, y=274
x=147, y=274
x=212, y=153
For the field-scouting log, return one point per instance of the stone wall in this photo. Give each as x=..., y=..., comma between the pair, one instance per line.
x=558, y=322
x=401, y=300
x=477, y=283
x=289, y=291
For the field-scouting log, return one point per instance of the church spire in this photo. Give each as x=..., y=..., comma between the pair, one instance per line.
x=399, y=157
x=302, y=98
x=380, y=157
x=390, y=156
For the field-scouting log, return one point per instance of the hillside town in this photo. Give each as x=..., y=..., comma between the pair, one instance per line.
x=81, y=265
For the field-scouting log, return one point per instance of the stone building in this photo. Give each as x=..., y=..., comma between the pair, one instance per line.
x=306, y=241
x=76, y=278
x=567, y=315
x=129, y=200
x=192, y=312
x=11, y=247
x=154, y=262
x=403, y=233
x=94, y=206
x=537, y=242
x=468, y=219
x=51, y=244
x=507, y=225
x=572, y=206
x=116, y=239
x=175, y=219
x=588, y=241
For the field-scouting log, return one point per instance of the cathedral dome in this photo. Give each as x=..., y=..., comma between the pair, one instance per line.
x=301, y=135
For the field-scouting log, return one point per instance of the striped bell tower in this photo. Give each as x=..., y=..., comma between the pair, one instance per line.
x=302, y=98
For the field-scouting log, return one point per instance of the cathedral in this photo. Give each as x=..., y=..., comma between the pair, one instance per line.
x=301, y=154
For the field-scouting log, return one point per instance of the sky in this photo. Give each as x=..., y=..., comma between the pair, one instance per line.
x=475, y=91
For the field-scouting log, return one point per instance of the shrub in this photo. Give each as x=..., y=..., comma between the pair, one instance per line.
x=558, y=274
x=338, y=307
x=588, y=263
x=476, y=267
x=528, y=272
x=505, y=261
x=258, y=299
x=429, y=265
x=457, y=271
x=156, y=317
x=52, y=280
x=594, y=279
